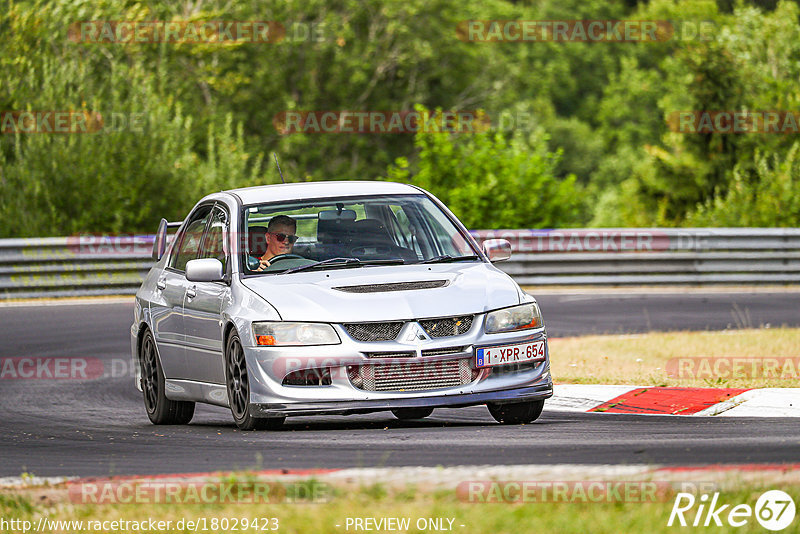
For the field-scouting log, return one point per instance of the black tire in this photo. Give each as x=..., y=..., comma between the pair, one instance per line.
x=517, y=413
x=237, y=382
x=405, y=414
x=160, y=409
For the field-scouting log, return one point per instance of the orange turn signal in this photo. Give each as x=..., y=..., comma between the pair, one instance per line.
x=265, y=340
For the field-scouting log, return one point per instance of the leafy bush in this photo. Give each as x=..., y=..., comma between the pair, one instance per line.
x=150, y=159
x=769, y=196
x=600, y=111
x=490, y=181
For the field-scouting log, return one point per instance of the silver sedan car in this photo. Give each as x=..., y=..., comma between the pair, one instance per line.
x=333, y=298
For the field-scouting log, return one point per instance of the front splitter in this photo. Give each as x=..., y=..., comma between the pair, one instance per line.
x=531, y=393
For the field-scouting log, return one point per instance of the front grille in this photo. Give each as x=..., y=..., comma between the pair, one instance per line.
x=442, y=351
x=395, y=286
x=373, y=331
x=416, y=376
x=447, y=326
x=387, y=331
x=409, y=354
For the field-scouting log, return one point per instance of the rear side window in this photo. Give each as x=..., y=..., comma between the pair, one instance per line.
x=188, y=243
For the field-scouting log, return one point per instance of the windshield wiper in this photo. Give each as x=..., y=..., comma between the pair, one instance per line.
x=446, y=258
x=342, y=262
x=329, y=261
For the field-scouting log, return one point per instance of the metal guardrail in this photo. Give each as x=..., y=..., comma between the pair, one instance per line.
x=102, y=265
x=73, y=266
x=651, y=256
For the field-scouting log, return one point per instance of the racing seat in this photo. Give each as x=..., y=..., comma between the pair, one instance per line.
x=257, y=241
x=333, y=235
x=370, y=232
x=370, y=238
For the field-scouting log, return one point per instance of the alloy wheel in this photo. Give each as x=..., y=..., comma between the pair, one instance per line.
x=150, y=375
x=238, y=380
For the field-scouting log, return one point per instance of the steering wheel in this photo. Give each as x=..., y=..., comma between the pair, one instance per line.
x=280, y=257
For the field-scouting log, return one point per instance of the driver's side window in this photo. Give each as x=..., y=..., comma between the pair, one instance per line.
x=214, y=240
x=189, y=242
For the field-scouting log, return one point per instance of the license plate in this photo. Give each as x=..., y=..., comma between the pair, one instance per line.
x=509, y=354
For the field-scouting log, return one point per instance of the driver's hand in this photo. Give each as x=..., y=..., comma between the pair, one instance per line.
x=262, y=264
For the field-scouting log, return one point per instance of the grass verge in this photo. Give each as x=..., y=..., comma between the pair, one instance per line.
x=734, y=358
x=446, y=506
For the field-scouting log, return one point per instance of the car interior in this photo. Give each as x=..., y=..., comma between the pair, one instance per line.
x=338, y=234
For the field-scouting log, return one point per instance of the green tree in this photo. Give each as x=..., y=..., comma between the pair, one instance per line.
x=770, y=196
x=490, y=181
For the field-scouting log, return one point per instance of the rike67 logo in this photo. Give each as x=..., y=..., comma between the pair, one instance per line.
x=774, y=510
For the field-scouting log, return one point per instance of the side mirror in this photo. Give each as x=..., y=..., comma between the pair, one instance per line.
x=160, y=242
x=204, y=270
x=497, y=249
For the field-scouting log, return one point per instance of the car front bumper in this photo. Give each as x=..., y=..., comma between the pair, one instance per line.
x=532, y=393
x=271, y=398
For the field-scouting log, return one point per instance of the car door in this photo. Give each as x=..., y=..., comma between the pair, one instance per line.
x=202, y=308
x=167, y=310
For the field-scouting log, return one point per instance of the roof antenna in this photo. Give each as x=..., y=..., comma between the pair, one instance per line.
x=274, y=155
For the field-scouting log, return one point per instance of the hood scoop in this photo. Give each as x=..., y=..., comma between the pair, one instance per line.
x=395, y=286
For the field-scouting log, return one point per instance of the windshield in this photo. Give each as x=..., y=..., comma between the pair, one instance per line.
x=350, y=232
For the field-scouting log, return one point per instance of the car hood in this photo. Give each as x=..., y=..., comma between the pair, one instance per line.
x=310, y=296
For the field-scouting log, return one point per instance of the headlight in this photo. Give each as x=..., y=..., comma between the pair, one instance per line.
x=521, y=317
x=284, y=333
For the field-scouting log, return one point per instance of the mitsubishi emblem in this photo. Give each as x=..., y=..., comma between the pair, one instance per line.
x=415, y=333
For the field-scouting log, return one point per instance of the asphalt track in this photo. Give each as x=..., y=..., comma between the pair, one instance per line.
x=98, y=427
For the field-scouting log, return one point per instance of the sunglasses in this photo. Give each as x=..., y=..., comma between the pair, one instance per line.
x=281, y=237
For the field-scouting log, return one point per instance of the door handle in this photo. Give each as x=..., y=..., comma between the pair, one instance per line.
x=162, y=283
x=191, y=292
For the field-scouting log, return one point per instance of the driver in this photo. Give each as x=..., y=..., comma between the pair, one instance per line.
x=280, y=239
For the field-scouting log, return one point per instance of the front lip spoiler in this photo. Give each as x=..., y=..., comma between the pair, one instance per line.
x=530, y=393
